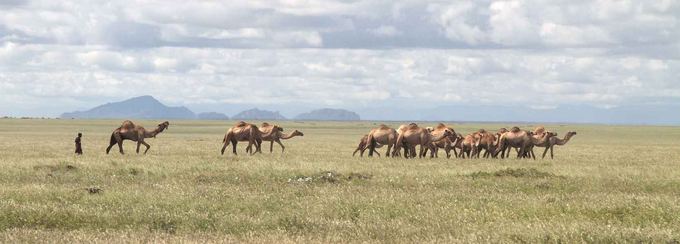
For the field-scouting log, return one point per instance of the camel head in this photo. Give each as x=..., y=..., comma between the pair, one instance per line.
x=571, y=133
x=163, y=126
x=299, y=133
x=429, y=129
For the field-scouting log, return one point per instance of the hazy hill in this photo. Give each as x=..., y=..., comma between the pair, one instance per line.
x=212, y=116
x=258, y=115
x=329, y=114
x=144, y=107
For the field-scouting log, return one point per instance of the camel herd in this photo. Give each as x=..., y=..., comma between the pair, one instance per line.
x=406, y=137
x=471, y=146
x=242, y=131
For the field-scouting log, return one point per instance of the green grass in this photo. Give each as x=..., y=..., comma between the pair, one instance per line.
x=609, y=184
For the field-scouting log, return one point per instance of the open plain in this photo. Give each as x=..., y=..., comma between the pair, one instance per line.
x=609, y=184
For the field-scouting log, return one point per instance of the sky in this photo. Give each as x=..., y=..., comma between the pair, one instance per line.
x=365, y=55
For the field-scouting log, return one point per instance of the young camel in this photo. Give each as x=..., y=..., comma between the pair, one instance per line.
x=243, y=131
x=130, y=131
x=557, y=141
x=274, y=133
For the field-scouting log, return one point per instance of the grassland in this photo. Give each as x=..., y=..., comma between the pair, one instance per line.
x=610, y=184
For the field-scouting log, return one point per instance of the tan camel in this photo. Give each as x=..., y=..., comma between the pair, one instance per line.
x=559, y=142
x=363, y=145
x=243, y=131
x=414, y=135
x=274, y=133
x=487, y=142
x=537, y=140
x=515, y=138
x=469, y=145
x=447, y=143
x=130, y=131
x=400, y=130
x=383, y=135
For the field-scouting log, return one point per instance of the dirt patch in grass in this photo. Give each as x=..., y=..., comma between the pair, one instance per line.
x=516, y=173
x=330, y=177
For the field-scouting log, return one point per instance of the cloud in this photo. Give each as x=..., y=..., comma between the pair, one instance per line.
x=341, y=53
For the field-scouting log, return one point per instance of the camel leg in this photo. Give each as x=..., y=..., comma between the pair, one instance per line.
x=147, y=146
x=551, y=152
x=234, y=142
x=224, y=147
x=280, y=144
x=271, y=147
x=138, y=144
x=546, y=151
x=109, y=148
x=389, y=148
x=250, y=144
x=120, y=146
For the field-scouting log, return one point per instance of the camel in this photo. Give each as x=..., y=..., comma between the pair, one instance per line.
x=469, y=145
x=400, y=130
x=130, y=131
x=553, y=141
x=274, y=133
x=243, y=131
x=382, y=135
x=487, y=142
x=363, y=145
x=537, y=140
x=414, y=135
x=515, y=138
x=447, y=143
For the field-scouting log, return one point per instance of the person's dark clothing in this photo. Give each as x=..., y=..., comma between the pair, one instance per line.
x=79, y=149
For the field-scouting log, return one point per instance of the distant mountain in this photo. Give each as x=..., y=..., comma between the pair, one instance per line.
x=212, y=116
x=258, y=115
x=329, y=114
x=144, y=107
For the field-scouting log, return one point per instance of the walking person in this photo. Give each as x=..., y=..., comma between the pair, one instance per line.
x=79, y=148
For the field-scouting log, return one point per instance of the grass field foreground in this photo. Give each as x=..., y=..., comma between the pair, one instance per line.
x=609, y=184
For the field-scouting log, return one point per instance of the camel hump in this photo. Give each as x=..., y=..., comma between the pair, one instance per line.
x=539, y=130
x=241, y=124
x=265, y=124
x=412, y=126
x=440, y=126
x=515, y=129
x=383, y=126
x=481, y=131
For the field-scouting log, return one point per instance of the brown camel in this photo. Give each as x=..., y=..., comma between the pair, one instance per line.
x=447, y=143
x=414, y=135
x=383, y=135
x=515, y=138
x=400, y=130
x=243, y=131
x=363, y=145
x=274, y=133
x=130, y=131
x=487, y=142
x=537, y=140
x=469, y=145
x=553, y=141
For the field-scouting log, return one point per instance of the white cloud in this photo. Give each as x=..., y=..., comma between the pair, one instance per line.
x=340, y=52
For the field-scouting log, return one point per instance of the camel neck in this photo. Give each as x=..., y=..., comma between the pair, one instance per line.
x=285, y=137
